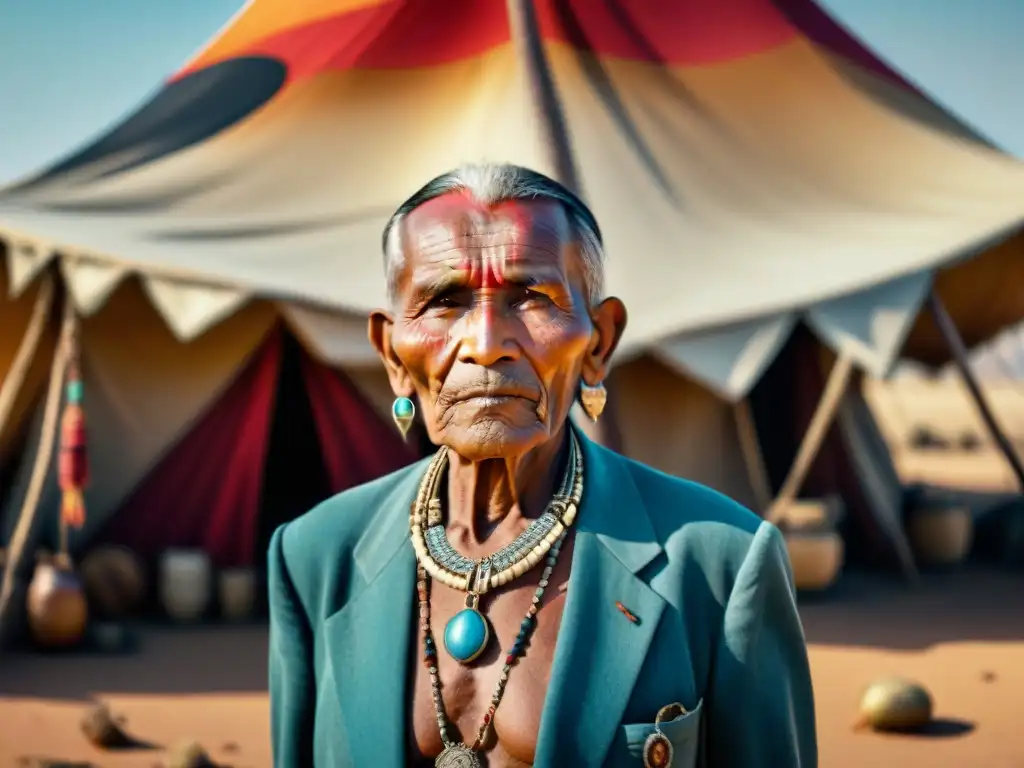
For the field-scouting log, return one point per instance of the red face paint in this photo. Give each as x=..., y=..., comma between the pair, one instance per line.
x=491, y=236
x=485, y=270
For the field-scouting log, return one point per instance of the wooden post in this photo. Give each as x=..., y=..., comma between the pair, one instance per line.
x=526, y=37
x=18, y=372
x=958, y=350
x=753, y=457
x=824, y=415
x=21, y=538
x=823, y=418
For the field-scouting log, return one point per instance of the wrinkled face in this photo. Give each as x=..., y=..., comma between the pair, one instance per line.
x=491, y=327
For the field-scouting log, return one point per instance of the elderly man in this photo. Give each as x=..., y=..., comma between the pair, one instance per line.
x=524, y=597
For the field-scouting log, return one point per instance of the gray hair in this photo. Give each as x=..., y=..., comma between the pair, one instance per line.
x=489, y=184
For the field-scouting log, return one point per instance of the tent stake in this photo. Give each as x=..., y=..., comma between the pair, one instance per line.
x=522, y=17
x=958, y=350
x=40, y=469
x=810, y=445
x=18, y=372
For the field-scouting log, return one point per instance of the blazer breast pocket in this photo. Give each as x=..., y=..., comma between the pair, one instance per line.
x=683, y=733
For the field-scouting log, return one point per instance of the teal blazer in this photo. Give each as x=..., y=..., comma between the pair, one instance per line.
x=710, y=582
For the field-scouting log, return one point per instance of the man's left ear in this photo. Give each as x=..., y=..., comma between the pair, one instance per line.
x=609, y=319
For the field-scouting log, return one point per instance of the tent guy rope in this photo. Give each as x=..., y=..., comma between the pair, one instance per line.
x=960, y=358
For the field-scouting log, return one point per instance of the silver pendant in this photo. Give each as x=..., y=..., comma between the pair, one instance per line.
x=458, y=756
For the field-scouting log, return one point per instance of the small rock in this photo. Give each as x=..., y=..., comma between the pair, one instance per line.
x=47, y=762
x=895, y=704
x=189, y=755
x=102, y=729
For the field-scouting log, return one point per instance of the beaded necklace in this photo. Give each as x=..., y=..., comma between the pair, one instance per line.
x=459, y=754
x=468, y=633
x=435, y=553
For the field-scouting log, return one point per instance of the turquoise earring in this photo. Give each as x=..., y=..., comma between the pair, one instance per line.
x=403, y=411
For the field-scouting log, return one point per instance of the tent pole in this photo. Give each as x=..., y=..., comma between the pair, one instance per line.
x=522, y=16
x=823, y=418
x=958, y=350
x=824, y=415
x=753, y=457
x=27, y=347
x=20, y=539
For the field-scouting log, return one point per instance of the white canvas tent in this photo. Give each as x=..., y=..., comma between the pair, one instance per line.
x=746, y=176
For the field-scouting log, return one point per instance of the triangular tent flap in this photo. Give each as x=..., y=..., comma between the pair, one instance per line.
x=191, y=308
x=334, y=338
x=91, y=281
x=25, y=260
x=731, y=359
x=870, y=326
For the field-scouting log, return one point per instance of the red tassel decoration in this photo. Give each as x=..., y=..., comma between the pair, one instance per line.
x=73, y=464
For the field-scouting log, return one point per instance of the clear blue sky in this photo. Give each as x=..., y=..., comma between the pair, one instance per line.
x=968, y=55
x=71, y=68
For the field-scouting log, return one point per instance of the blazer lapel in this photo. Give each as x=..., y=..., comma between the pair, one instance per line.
x=600, y=651
x=598, y=655
x=368, y=639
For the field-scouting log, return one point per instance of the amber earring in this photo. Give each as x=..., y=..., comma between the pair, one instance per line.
x=593, y=399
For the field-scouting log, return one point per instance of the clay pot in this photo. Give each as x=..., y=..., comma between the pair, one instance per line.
x=115, y=582
x=816, y=550
x=57, y=608
x=185, y=584
x=237, y=593
x=816, y=557
x=940, y=536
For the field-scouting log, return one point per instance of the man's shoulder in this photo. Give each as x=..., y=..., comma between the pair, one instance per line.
x=702, y=530
x=335, y=526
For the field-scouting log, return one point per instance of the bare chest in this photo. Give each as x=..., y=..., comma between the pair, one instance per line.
x=467, y=691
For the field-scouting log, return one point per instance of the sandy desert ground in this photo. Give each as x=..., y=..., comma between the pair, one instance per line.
x=962, y=634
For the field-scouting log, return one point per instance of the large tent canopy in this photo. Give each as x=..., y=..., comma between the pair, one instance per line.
x=751, y=166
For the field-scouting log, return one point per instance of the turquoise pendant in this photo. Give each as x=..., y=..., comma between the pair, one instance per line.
x=466, y=635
